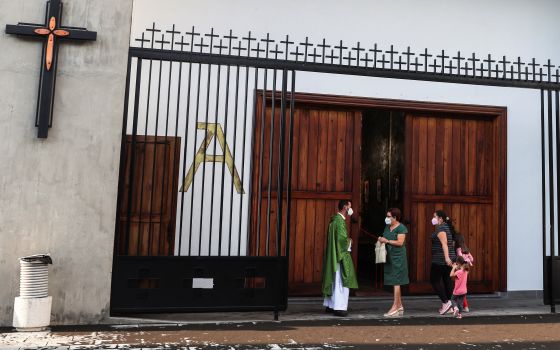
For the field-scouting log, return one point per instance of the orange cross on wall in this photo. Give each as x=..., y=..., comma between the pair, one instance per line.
x=51, y=33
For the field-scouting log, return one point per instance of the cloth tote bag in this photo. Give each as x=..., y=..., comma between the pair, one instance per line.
x=380, y=253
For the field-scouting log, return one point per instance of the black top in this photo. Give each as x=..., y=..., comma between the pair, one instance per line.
x=438, y=257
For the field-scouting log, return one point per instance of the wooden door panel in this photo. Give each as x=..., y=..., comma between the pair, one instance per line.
x=154, y=196
x=443, y=164
x=308, y=240
x=323, y=213
x=326, y=159
x=451, y=164
x=312, y=240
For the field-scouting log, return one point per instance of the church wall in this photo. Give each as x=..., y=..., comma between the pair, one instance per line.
x=477, y=26
x=58, y=195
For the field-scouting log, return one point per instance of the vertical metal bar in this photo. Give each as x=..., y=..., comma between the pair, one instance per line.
x=270, y=161
x=552, y=237
x=194, y=166
x=145, y=141
x=122, y=164
x=182, y=179
x=289, y=185
x=279, y=190
x=251, y=161
x=290, y=157
x=133, y=149
x=235, y=113
x=557, y=109
x=226, y=110
x=551, y=198
x=166, y=144
x=261, y=149
x=164, y=191
x=205, y=145
x=216, y=125
x=243, y=155
x=154, y=158
x=543, y=188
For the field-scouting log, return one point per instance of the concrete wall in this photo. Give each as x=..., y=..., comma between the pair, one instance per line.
x=504, y=27
x=58, y=195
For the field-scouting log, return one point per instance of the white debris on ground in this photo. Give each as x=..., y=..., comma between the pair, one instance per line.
x=107, y=340
x=42, y=339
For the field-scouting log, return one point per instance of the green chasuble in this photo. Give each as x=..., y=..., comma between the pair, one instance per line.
x=337, y=252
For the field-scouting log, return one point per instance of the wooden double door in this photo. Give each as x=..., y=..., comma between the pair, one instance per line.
x=454, y=161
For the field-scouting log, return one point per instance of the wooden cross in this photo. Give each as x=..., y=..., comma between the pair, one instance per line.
x=51, y=32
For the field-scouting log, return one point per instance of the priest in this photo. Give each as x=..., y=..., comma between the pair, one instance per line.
x=338, y=268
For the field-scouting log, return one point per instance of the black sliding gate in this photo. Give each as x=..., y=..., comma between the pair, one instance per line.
x=203, y=214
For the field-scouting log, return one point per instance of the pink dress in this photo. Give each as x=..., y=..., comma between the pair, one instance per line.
x=460, y=282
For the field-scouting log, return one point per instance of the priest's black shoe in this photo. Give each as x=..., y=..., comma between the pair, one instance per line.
x=328, y=310
x=340, y=313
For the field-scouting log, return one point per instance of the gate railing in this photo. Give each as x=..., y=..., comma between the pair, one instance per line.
x=204, y=196
x=190, y=75
x=351, y=58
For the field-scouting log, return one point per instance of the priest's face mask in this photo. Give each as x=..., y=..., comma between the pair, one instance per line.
x=349, y=210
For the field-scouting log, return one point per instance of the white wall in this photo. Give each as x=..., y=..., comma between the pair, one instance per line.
x=511, y=28
x=200, y=104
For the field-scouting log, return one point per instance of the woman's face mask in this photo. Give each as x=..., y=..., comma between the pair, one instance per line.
x=350, y=211
x=388, y=221
x=435, y=221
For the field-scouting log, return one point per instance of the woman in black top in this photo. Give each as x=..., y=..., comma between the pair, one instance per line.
x=443, y=256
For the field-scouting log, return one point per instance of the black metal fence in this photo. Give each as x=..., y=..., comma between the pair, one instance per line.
x=550, y=157
x=203, y=178
x=204, y=147
x=354, y=58
x=204, y=193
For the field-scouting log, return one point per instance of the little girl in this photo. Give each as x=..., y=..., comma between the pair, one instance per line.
x=461, y=249
x=459, y=272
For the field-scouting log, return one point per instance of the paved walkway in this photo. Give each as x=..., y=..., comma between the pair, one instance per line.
x=301, y=309
x=496, y=322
